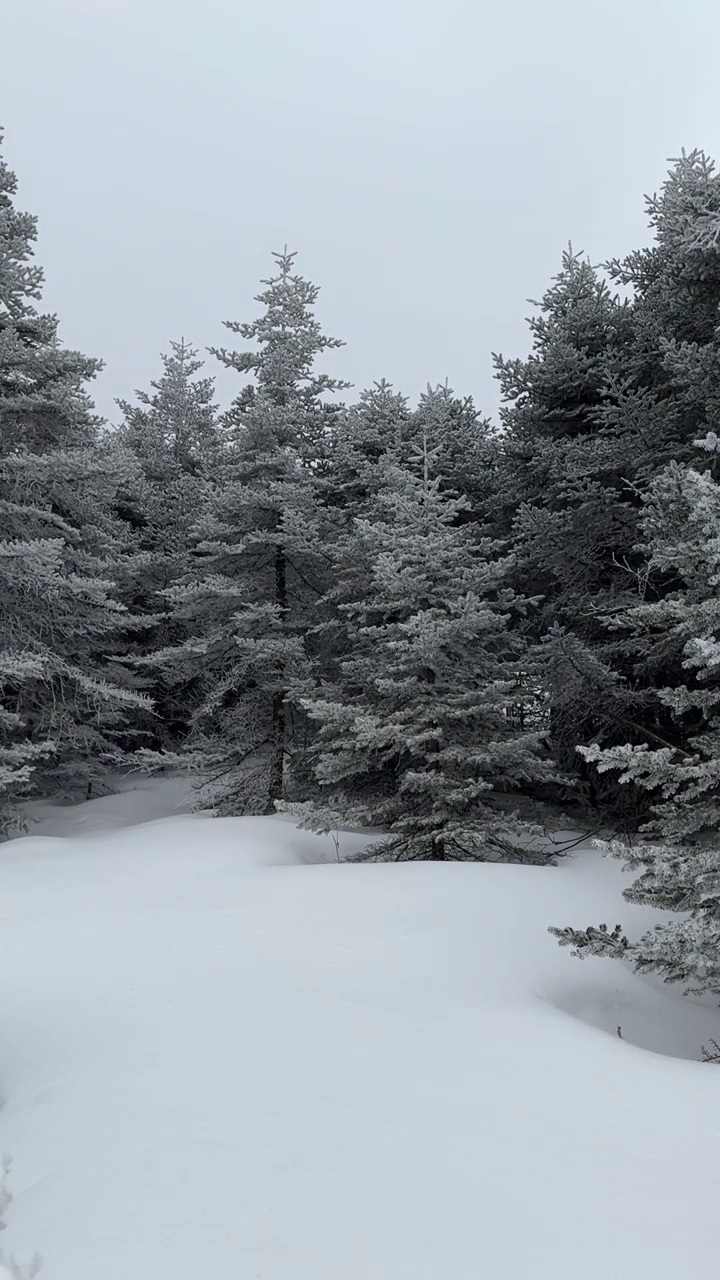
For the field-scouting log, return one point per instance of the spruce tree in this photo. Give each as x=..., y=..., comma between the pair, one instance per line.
x=173, y=428
x=381, y=425
x=260, y=566
x=613, y=392
x=380, y=429
x=679, y=854
x=65, y=702
x=467, y=450
x=173, y=433
x=360, y=438
x=563, y=495
x=424, y=731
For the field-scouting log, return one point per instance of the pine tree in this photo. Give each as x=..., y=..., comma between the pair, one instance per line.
x=422, y=731
x=361, y=437
x=468, y=452
x=381, y=425
x=64, y=701
x=379, y=430
x=173, y=428
x=567, y=503
x=260, y=565
x=676, y=281
x=680, y=865
x=612, y=393
x=173, y=434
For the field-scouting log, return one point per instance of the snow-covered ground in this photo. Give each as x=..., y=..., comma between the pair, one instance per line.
x=225, y=1059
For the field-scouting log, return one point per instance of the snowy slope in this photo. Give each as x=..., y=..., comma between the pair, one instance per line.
x=223, y=1061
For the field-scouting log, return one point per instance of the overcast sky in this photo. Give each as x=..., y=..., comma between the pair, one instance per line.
x=428, y=159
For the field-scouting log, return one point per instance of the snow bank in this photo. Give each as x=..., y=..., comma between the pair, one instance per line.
x=221, y=1060
x=137, y=799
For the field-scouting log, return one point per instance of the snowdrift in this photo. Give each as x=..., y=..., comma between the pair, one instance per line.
x=225, y=1055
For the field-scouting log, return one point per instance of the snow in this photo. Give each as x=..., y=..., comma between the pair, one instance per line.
x=136, y=800
x=225, y=1055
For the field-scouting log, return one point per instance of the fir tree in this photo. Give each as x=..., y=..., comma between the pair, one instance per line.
x=421, y=731
x=379, y=430
x=260, y=566
x=467, y=452
x=360, y=438
x=64, y=701
x=381, y=425
x=676, y=281
x=172, y=432
x=173, y=428
x=566, y=502
x=612, y=393
x=680, y=865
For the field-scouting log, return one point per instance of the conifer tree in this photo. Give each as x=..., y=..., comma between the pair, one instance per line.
x=172, y=432
x=467, y=452
x=382, y=425
x=379, y=430
x=173, y=428
x=424, y=727
x=361, y=437
x=679, y=858
x=613, y=391
x=64, y=701
x=259, y=565
x=566, y=501
x=675, y=282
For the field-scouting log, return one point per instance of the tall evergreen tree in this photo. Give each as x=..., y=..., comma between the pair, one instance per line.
x=173, y=428
x=361, y=437
x=381, y=430
x=260, y=566
x=421, y=730
x=566, y=500
x=64, y=701
x=173, y=433
x=382, y=426
x=612, y=392
x=679, y=860
x=467, y=449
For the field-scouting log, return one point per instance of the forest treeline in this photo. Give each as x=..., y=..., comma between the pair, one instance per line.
x=381, y=614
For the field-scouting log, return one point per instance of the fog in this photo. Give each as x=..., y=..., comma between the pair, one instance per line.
x=428, y=161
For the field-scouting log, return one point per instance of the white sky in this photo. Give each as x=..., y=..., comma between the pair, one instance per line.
x=429, y=160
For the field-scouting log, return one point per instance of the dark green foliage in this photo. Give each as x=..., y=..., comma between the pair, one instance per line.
x=173, y=434
x=247, y=601
x=66, y=704
x=425, y=728
x=613, y=391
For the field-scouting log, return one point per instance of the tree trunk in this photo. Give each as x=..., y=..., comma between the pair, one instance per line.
x=277, y=758
x=438, y=849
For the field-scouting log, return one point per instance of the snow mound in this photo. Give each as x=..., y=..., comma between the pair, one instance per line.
x=224, y=1058
x=136, y=799
x=641, y=1016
